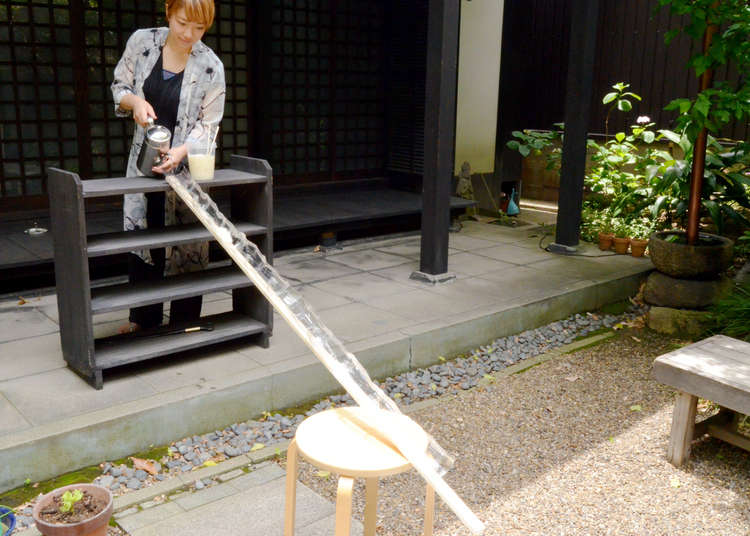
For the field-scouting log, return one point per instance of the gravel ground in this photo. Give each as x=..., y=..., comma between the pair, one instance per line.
x=574, y=446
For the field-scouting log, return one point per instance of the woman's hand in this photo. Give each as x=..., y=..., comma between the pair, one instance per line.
x=142, y=110
x=171, y=159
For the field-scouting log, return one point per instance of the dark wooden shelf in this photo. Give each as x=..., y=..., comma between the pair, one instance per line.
x=126, y=295
x=137, y=185
x=124, y=241
x=124, y=349
x=250, y=207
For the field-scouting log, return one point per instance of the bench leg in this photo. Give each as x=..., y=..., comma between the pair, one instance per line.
x=683, y=426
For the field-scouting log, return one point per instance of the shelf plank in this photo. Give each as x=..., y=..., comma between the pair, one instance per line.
x=124, y=241
x=126, y=295
x=137, y=185
x=123, y=349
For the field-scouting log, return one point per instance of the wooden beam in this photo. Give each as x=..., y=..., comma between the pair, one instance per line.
x=583, y=25
x=439, y=133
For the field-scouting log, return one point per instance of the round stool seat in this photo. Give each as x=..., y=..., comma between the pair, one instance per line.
x=340, y=440
x=344, y=441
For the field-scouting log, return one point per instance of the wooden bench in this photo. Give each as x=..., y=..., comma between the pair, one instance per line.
x=717, y=369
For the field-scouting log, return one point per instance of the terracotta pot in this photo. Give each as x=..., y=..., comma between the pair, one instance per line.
x=621, y=245
x=638, y=247
x=605, y=241
x=93, y=526
x=711, y=256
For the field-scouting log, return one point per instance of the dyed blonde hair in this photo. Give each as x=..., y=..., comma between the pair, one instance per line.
x=200, y=11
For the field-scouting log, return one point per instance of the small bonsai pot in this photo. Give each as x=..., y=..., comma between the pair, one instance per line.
x=621, y=245
x=605, y=241
x=93, y=526
x=638, y=247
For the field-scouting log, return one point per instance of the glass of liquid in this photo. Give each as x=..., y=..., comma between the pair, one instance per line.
x=201, y=156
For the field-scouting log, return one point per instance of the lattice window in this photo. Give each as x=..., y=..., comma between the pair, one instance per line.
x=37, y=104
x=327, y=104
x=45, y=92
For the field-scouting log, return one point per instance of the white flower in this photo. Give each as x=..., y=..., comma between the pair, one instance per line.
x=643, y=119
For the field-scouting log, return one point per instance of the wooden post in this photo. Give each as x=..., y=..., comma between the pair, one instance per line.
x=583, y=25
x=439, y=133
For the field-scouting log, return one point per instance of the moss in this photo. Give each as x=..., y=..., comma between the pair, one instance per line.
x=156, y=453
x=24, y=494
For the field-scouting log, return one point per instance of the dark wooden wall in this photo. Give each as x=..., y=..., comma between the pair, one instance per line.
x=630, y=48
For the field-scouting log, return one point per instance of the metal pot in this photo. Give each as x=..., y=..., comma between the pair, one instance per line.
x=155, y=143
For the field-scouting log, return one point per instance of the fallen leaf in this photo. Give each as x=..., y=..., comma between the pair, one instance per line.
x=489, y=377
x=636, y=339
x=441, y=359
x=572, y=378
x=398, y=395
x=146, y=465
x=21, y=301
x=636, y=407
x=433, y=387
x=209, y=463
x=256, y=446
x=674, y=482
x=323, y=474
x=317, y=249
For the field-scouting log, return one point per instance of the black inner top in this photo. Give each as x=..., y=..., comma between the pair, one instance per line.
x=163, y=95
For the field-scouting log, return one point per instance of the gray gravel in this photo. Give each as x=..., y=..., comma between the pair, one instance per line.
x=574, y=446
x=448, y=377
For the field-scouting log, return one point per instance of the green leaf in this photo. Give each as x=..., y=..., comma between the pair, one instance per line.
x=649, y=136
x=624, y=105
x=636, y=407
x=524, y=150
x=513, y=144
x=609, y=97
x=671, y=136
x=620, y=136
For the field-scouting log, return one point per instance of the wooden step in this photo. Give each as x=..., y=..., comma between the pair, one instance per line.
x=127, y=295
x=123, y=349
x=124, y=241
x=137, y=185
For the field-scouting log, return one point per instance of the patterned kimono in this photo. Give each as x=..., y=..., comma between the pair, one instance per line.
x=201, y=104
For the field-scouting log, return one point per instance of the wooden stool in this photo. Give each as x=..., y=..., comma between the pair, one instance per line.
x=340, y=441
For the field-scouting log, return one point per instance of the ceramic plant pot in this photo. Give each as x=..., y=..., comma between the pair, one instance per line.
x=621, y=245
x=605, y=241
x=638, y=247
x=93, y=526
x=671, y=254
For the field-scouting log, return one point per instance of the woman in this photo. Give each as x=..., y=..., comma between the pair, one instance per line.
x=170, y=76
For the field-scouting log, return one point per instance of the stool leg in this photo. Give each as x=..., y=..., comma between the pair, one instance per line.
x=371, y=505
x=291, y=488
x=683, y=426
x=429, y=510
x=344, y=506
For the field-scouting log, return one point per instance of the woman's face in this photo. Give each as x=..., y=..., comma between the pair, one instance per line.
x=185, y=32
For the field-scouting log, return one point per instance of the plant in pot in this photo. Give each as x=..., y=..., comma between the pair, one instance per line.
x=724, y=30
x=640, y=231
x=621, y=241
x=75, y=510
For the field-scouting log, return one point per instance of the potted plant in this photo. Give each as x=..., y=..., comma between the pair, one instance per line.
x=606, y=233
x=621, y=240
x=639, y=236
x=76, y=510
